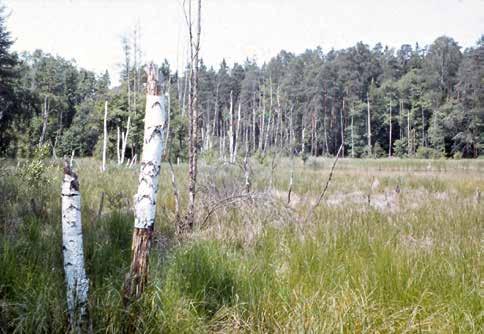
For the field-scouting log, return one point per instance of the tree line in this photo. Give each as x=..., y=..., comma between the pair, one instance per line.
x=377, y=101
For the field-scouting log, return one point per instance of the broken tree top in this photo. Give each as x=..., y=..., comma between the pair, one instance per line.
x=153, y=86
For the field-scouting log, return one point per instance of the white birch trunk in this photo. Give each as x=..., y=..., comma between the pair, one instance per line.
x=105, y=141
x=231, y=129
x=72, y=246
x=117, y=146
x=237, y=134
x=125, y=139
x=145, y=199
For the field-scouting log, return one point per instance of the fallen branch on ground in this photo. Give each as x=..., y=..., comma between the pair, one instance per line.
x=321, y=196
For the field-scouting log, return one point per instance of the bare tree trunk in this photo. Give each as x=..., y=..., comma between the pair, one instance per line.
x=168, y=121
x=145, y=198
x=105, y=141
x=352, y=137
x=72, y=248
x=369, y=125
x=408, y=133
x=231, y=129
x=262, y=127
x=125, y=139
x=254, y=121
x=390, y=130
x=45, y=116
x=316, y=136
x=342, y=130
x=270, y=121
x=117, y=146
x=193, y=114
x=302, y=141
x=313, y=132
x=237, y=133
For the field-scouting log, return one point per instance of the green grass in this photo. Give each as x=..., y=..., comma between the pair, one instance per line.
x=257, y=266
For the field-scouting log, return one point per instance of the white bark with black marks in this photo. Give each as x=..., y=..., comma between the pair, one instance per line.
x=145, y=199
x=72, y=247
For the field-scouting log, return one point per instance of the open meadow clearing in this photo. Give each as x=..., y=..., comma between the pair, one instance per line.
x=394, y=246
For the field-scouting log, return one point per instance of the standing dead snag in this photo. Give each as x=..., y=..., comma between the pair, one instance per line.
x=72, y=248
x=105, y=140
x=193, y=113
x=145, y=198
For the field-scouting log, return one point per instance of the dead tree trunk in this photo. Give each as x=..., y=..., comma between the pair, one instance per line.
x=125, y=139
x=231, y=128
x=254, y=120
x=145, y=198
x=369, y=125
x=237, y=134
x=262, y=122
x=390, y=134
x=105, y=141
x=342, y=129
x=409, y=147
x=193, y=129
x=73, y=253
x=352, y=136
x=302, y=141
x=117, y=146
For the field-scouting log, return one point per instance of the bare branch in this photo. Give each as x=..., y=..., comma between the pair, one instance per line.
x=321, y=196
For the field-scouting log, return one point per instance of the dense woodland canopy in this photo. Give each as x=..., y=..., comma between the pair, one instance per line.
x=423, y=101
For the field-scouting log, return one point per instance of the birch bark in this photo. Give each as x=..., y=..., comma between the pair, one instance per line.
x=145, y=198
x=72, y=248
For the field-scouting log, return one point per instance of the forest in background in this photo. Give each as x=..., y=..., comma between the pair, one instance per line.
x=416, y=101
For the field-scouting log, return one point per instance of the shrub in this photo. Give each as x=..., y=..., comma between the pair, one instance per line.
x=428, y=153
x=458, y=155
x=400, y=148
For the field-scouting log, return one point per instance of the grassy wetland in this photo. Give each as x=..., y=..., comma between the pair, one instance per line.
x=394, y=246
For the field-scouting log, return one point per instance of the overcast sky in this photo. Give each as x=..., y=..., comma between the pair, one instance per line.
x=90, y=31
